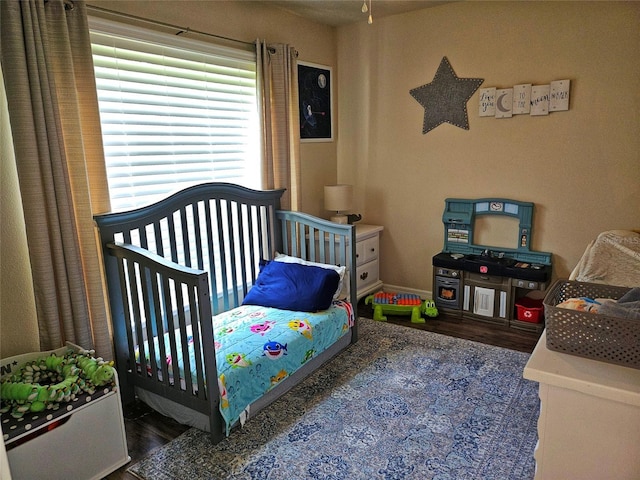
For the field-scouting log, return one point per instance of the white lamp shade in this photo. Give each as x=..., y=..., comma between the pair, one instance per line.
x=338, y=198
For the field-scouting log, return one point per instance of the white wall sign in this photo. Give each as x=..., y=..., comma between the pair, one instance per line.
x=504, y=102
x=524, y=98
x=540, y=100
x=521, y=99
x=559, y=96
x=487, y=103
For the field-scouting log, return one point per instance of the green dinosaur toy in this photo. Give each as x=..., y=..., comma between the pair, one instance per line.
x=400, y=304
x=49, y=380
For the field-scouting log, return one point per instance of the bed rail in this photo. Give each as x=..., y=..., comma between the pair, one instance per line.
x=338, y=248
x=162, y=298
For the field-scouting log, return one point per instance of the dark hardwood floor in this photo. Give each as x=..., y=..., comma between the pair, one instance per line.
x=478, y=331
x=147, y=429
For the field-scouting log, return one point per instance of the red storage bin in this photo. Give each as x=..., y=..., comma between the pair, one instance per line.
x=529, y=309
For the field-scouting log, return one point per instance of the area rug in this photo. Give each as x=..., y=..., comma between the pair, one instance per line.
x=400, y=404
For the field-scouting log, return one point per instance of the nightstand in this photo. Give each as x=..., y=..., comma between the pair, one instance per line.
x=367, y=259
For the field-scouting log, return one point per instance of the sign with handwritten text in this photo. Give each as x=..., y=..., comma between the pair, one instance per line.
x=487, y=104
x=521, y=99
x=559, y=95
x=535, y=100
x=540, y=100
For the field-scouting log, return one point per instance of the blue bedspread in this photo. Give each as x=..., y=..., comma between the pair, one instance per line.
x=258, y=347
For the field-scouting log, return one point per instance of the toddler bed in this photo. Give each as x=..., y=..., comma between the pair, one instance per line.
x=221, y=302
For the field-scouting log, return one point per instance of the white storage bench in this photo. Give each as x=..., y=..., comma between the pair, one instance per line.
x=84, y=438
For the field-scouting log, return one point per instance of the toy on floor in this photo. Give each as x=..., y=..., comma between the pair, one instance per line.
x=400, y=304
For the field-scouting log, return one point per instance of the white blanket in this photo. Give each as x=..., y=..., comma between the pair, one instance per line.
x=612, y=258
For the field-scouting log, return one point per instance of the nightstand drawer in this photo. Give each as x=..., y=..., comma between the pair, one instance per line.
x=367, y=250
x=367, y=274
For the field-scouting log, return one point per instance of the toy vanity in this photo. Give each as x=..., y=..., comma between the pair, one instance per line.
x=82, y=438
x=493, y=283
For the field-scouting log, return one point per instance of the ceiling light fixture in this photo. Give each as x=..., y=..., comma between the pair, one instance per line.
x=366, y=9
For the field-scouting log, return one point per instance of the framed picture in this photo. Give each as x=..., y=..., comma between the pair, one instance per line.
x=315, y=94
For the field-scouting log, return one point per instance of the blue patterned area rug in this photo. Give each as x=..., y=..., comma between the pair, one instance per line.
x=400, y=404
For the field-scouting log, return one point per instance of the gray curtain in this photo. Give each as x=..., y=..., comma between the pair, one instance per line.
x=278, y=85
x=53, y=110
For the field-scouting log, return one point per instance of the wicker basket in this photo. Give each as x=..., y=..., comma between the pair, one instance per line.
x=599, y=337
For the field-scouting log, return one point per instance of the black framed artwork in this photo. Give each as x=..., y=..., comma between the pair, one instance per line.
x=314, y=98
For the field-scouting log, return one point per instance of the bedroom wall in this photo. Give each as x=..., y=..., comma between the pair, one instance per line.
x=18, y=324
x=580, y=167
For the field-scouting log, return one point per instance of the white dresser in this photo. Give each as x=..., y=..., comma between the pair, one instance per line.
x=589, y=424
x=368, y=258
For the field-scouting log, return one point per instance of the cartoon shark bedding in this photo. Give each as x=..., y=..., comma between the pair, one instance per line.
x=257, y=347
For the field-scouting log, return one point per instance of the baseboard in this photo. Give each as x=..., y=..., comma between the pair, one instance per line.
x=424, y=294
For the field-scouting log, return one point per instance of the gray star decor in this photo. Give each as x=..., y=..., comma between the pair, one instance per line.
x=445, y=98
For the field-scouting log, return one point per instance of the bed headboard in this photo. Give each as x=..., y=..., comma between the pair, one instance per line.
x=201, y=227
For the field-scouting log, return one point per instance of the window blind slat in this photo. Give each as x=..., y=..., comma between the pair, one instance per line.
x=174, y=113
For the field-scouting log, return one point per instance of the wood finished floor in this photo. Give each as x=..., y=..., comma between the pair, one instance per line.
x=147, y=430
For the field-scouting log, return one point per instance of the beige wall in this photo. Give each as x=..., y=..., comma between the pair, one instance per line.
x=18, y=324
x=581, y=167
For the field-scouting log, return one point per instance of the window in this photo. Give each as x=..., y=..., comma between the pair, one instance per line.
x=174, y=112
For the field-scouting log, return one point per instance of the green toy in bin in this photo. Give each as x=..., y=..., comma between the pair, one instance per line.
x=385, y=303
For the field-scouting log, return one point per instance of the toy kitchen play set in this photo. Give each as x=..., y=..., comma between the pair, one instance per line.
x=492, y=284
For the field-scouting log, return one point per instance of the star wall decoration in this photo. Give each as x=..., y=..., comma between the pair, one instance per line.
x=445, y=98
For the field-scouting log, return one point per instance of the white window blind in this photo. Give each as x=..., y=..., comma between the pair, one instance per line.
x=174, y=112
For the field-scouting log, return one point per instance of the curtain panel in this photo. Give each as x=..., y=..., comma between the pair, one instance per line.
x=278, y=84
x=53, y=110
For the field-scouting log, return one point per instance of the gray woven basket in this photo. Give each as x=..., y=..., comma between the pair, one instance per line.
x=590, y=335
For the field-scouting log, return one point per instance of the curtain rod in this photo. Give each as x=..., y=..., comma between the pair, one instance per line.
x=181, y=30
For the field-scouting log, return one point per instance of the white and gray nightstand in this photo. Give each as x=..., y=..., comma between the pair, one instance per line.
x=368, y=258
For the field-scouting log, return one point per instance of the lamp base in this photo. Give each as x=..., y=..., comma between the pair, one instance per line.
x=342, y=219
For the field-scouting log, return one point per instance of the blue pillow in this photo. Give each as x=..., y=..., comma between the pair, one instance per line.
x=291, y=286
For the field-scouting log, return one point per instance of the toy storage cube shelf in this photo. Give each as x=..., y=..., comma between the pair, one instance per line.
x=88, y=442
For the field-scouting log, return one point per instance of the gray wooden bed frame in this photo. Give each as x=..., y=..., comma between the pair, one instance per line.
x=196, y=254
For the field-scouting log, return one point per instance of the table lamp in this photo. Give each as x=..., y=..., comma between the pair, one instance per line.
x=338, y=198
